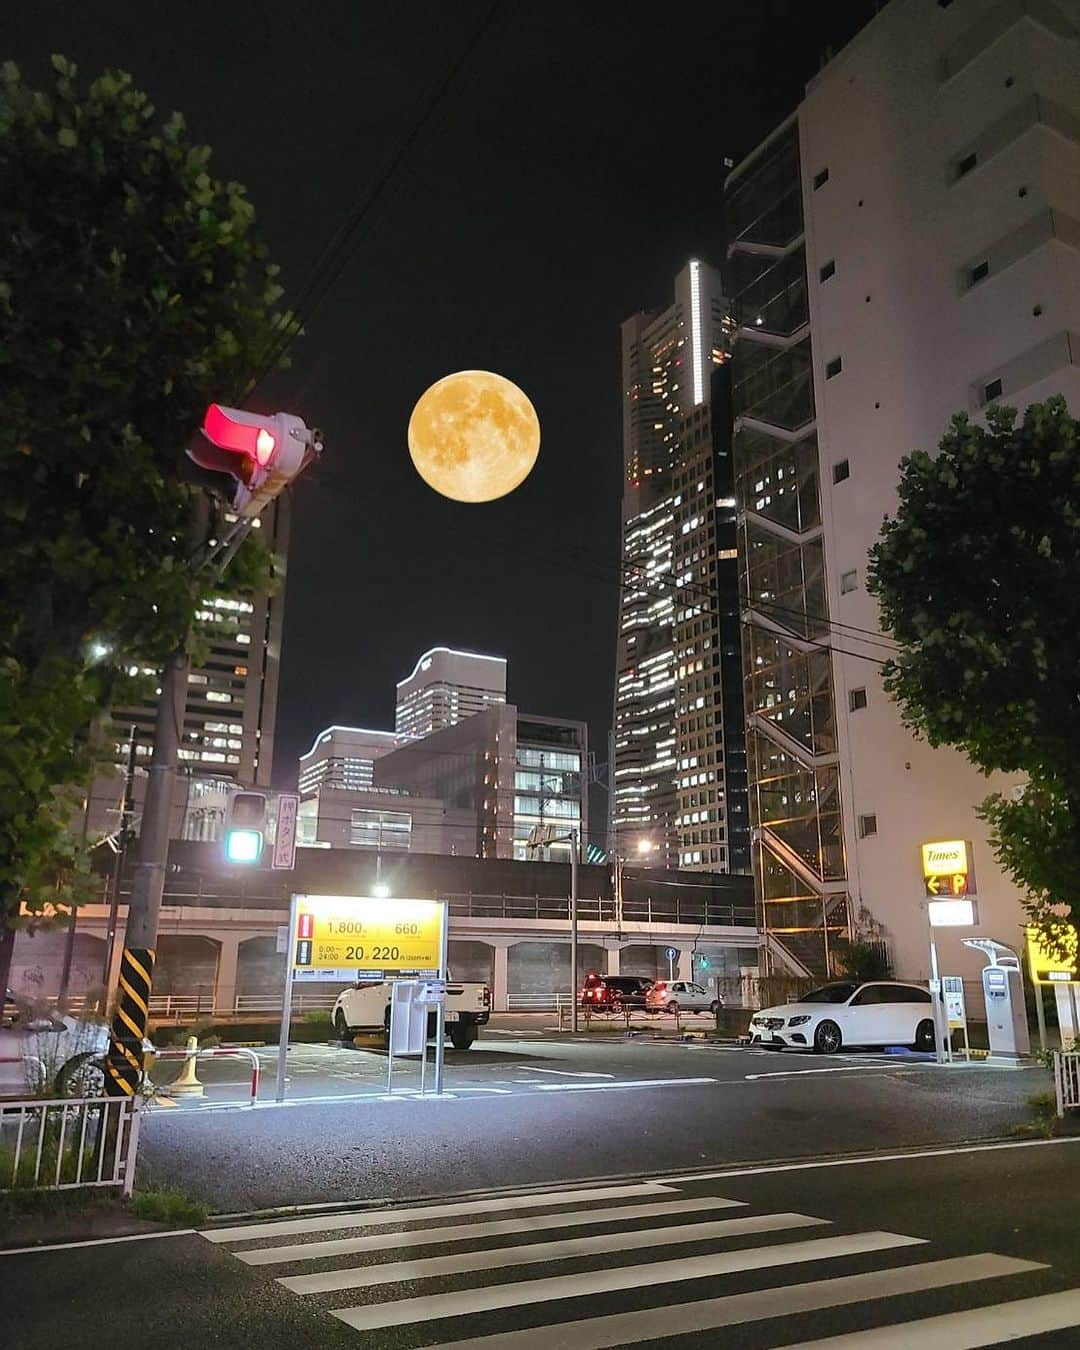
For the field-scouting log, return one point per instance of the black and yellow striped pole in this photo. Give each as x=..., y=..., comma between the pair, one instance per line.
x=124, y=1063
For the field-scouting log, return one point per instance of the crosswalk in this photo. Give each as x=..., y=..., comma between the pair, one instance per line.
x=618, y=1265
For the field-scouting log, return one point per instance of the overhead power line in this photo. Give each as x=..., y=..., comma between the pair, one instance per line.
x=341, y=247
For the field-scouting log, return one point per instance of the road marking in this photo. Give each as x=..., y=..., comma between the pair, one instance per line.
x=965, y=1330
x=498, y=1031
x=622, y=1084
x=369, y=1218
x=400, y=1312
x=846, y=1068
x=568, y=1073
x=951, y=1152
x=680, y=1319
x=392, y=1272
x=467, y=1232
x=101, y=1242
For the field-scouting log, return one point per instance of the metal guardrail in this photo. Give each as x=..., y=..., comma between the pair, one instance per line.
x=652, y=910
x=1067, y=1080
x=215, y=1052
x=190, y=1007
x=70, y=1142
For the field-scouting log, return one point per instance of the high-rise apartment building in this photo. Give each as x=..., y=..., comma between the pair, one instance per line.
x=905, y=246
x=670, y=769
x=445, y=687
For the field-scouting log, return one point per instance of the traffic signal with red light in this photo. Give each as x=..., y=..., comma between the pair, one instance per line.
x=245, y=827
x=253, y=455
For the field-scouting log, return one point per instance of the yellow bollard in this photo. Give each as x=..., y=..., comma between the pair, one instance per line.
x=187, y=1085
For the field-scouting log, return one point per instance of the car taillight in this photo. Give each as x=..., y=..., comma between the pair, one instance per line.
x=486, y=997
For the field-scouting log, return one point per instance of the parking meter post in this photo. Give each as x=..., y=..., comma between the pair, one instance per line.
x=935, y=995
x=286, y=1007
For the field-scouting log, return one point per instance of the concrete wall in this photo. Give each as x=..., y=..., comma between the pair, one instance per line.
x=918, y=345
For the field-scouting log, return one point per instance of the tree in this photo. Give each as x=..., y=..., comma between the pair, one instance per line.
x=978, y=576
x=133, y=291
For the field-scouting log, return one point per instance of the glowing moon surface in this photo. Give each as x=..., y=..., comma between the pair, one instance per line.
x=474, y=436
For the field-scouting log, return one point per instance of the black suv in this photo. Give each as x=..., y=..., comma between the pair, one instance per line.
x=612, y=993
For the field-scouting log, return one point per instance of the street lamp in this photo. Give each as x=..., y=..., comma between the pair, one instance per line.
x=539, y=837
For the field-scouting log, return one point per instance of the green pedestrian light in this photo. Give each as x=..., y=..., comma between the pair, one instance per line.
x=245, y=828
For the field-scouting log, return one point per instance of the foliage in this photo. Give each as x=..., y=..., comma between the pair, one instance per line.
x=861, y=960
x=317, y=1017
x=976, y=577
x=1043, y=1106
x=133, y=291
x=168, y=1206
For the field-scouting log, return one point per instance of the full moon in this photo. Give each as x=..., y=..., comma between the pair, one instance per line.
x=474, y=436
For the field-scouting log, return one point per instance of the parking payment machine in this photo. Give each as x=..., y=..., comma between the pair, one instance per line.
x=1003, y=992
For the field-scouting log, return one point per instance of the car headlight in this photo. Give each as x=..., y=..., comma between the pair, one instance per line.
x=799, y=1021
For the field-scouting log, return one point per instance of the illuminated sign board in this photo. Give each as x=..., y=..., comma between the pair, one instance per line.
x=948, y=869
x=1046, y=968
x=952, y=913
x=345, y=938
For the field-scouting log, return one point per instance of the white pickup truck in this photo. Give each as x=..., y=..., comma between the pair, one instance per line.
x=366, y=1007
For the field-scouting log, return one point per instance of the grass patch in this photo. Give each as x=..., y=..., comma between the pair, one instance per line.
x=168, y=1206
x=1043, y=1106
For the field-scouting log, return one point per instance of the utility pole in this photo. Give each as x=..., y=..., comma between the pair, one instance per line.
x=575, y=851
x=259, y=456
x=127, y=813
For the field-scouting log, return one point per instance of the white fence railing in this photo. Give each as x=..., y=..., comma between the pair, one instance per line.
x=1067, y=1080
x=538, y=1002
x=70, y=1142
x=190, y=1007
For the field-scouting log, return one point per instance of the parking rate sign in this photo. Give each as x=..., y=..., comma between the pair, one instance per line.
x=343, y=938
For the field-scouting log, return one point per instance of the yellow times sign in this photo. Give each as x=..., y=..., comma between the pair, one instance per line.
x=1046, y=968
x=360, y=937
x=945, y=858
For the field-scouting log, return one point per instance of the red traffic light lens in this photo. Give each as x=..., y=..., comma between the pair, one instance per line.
x=244, y=437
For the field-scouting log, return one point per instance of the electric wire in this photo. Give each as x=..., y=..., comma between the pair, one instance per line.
x=340, y=249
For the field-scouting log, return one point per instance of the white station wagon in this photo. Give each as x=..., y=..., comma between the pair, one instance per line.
x=881, y=1012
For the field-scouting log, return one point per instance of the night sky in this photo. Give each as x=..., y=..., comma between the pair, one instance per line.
x=573, y=168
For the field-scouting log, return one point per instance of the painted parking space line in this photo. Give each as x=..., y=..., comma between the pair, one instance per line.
x=566, y=1073
x=895, y=1070
x=622, y=1085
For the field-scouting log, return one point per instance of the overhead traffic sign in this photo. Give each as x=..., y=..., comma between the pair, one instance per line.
x=342, y=938
x=1047, y=967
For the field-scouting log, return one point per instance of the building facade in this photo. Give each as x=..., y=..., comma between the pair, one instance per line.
x=344, y=757
x=445, y=687
x=904, y=247
x=230, y=709
x=498, y=774
x=382, y=820
x=678, y=625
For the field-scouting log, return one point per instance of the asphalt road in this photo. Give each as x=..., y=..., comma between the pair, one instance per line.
x=539, y=1111
x=943, y=1252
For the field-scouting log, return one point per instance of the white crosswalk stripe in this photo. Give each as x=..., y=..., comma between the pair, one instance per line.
x=538, y=1252
x=400, y=1311
x=531, y=1223
x=546, y=1274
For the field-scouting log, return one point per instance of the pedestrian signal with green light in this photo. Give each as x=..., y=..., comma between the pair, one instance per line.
x=245, y=827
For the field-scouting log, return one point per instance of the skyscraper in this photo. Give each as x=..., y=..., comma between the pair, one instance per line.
x=669, y=647
x=230, y=710
x=445, y=687
x=903, y=247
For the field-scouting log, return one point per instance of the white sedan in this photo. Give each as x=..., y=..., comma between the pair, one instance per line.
x=848, y=1013
x=681, y=996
